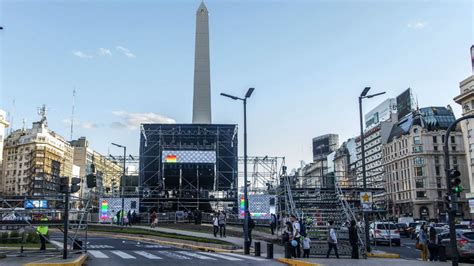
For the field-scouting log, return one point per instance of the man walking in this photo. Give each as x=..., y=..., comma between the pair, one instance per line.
x=273, y=222
x=332, y=240
x=296, y=250
x=353, y=239
x=222, y=222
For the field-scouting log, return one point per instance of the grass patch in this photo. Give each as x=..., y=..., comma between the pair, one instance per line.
x=138, y=231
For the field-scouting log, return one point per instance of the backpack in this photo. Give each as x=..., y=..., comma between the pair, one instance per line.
x=302, y=229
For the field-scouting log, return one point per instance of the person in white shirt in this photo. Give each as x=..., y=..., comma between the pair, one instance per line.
x=306, y=246
x=296, y=251
x=332, y=240
x=215, y=224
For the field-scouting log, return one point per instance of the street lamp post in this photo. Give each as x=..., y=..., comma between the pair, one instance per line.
x=246, y=204
x=121, y=182
x=364, y=175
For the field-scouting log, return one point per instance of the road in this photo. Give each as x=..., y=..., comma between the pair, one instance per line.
x=406, y=250
x=105, y=251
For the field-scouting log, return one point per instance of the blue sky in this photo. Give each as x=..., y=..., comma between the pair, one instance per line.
x=308, y=61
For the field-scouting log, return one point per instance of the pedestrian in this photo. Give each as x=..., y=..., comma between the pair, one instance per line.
x=306, y=246
x=196, y=216
x=129, y=218
x=222, y=222
x=42, y=231
x=353, y=239
x=153, y=219
x=119, y=220
x=273, y=222
x=332, y=240
x=296, y=250
x=433, y=244
x=215, y=224
x=250, y=227
x=190, y=217
x=134, y=217
x=423, y=241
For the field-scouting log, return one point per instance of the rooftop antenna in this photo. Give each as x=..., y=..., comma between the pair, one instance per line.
x=24, y=122
x=12, y=117
x=72, y=111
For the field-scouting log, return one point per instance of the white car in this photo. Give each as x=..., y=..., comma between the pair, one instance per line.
x=384, y=232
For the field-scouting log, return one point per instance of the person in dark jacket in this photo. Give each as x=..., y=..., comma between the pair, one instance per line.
x=433, y=244
x=353, y=239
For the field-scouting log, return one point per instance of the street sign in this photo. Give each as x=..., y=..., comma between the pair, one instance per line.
x=366, y=201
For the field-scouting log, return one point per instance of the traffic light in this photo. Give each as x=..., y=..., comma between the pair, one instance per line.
x=454, y=177
x=75, y=184
x=91, y=180
x=447, y=201
x=63, y=184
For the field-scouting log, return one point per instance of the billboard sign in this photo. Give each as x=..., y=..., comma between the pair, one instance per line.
x=261, y=207
x=366, y=201
x=109, y=207
x=36, y=204
x=188, y=156
x=405, y=103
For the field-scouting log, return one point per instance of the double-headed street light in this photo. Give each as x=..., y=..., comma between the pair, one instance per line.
x=362, y=96
x=121, y=182
x=246, y=205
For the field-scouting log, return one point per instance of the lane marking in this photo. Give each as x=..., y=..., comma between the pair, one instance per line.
x=122, y=254
x=220, y=256
x=147, y=255
x=173, y=255
x=98, y=254
x=195, y=255
x=245, y=257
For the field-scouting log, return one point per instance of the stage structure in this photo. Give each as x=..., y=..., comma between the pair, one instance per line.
x=188, y=166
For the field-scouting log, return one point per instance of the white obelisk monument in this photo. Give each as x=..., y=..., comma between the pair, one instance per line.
x=202, y=69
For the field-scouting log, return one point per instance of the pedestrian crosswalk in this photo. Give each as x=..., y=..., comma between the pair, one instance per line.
x=167, y=254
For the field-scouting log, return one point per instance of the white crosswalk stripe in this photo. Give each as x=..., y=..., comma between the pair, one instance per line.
x=195, y=255
x=122, y=254
x=220, y=256
x=147, y=255
x=247, y=257
x=98, y=246
x=173, y=255
x=98, y=254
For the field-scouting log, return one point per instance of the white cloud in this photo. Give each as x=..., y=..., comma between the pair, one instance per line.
x=89, y=125
x=126, y=52
x=133, y=120
x=81, y=54
x=105, y=52
x=417, y=25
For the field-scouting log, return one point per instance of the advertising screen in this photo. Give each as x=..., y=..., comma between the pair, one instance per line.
x=190, y=156
x=36, y=204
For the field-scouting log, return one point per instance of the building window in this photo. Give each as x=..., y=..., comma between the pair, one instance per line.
x=438, y=172
x=442, y=138
x=435, y=139
x=455, y=160
x=418, y=171
x=417, y=149
x=436, y=159
x=419, y=161
x=420, y=194
x=440, y=194
x=453, y=148
x=419, y=183
x=453, y=140
x=416, y=140
x=435, y=148
x=438, y=182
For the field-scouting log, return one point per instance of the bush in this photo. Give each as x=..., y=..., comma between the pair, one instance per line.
x=15, y=237
x=4, y=238
x=32, y=237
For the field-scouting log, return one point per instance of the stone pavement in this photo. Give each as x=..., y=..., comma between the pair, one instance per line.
x=374, y=262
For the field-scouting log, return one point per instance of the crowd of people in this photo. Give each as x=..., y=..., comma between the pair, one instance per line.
x=129, y=219
x=427, y=242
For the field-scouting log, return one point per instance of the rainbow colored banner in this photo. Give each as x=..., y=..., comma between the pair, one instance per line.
x=103, y=210
x=171, y=158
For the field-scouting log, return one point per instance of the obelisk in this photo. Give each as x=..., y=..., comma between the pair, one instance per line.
x=202, y=69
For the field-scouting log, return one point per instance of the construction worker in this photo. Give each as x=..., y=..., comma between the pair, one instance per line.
x=42, y=231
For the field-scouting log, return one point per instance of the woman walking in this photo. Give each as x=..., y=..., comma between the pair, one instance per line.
x=215, y=224
x=423, y=240
x=433, y=244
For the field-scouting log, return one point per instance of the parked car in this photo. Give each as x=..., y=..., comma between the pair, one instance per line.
x=404, y=229
x=385, y=232
x=465, y=243
x=411, y=229
x=462, y=227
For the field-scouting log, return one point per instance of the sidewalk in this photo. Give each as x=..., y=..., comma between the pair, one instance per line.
x=364, y=262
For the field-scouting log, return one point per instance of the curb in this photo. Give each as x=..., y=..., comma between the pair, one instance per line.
x=384, y=255
x=77, y=262
x=297, y=262
x=180, y=245
x=3, y=255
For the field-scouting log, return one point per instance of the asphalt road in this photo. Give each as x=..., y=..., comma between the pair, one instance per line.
x=406, y=250
x=105, y=251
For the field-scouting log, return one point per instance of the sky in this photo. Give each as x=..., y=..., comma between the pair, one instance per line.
x=133, y=61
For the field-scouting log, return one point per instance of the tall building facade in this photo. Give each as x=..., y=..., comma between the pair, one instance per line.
x=34, y=159
x=3, y=124
x=108, y=172
x=414, y=164
x=466, y=100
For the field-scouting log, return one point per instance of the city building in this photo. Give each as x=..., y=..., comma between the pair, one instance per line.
x=34, y=159
x=381, y=112
x=108, y=172
x=345, y=160
x=324, y=145
x=466, y=100
x=3, y=124
x=414, y=164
